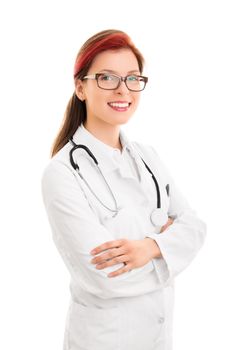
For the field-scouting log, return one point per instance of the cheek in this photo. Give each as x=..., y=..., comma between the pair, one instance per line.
x=96, y=95
x=136, y=100
x=96, y=103
x=92, y=97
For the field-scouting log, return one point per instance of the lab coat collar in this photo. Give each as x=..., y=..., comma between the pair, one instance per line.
x=105, y=154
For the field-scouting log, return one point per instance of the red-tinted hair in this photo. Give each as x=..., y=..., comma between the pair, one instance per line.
x=75, y=113
x=105, y=40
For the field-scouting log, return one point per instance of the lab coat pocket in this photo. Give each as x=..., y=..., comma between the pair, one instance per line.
x=93, y=328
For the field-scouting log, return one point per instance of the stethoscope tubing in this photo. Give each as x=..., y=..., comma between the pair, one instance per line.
x=76, y=167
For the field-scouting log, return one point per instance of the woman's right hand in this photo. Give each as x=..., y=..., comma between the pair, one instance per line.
x=164, y=227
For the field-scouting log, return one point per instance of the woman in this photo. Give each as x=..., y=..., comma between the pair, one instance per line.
x=123, y=233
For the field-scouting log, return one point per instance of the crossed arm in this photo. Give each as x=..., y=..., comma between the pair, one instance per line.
x=76, y=232
x=133, y=253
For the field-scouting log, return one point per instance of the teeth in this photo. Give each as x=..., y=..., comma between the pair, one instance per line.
x=123, y=105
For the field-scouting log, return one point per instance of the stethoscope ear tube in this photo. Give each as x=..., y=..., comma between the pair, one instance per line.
x=158, y=216
x=156, y=185
x=75, y=165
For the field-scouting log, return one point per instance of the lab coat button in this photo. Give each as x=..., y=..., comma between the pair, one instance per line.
x=161, y=320
x=117, y=151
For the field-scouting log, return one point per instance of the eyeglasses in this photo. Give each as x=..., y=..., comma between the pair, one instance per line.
x=112, y=82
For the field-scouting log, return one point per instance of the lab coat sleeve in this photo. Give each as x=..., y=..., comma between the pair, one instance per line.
x=181, y=241
x=76, y=231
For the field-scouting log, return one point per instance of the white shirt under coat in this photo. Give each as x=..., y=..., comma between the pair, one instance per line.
x=132, y=311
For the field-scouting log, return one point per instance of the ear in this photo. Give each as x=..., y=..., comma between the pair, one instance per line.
x=79, y=89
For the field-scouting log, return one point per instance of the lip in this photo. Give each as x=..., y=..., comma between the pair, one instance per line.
x=119, y=102
x=118, y=108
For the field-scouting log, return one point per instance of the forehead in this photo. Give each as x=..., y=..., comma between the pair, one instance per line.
x=122, y=61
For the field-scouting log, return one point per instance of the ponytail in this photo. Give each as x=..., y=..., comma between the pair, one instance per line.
x=75, y=115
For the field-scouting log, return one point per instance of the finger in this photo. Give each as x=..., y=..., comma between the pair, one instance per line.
x=107, y=245
x=117, y=260
x=120, y=271
x=112, y=253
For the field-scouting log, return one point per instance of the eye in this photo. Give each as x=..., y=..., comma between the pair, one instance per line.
x=107, y=77
x=133, y=78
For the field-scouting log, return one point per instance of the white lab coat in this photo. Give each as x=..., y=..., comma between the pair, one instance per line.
x=132, y=311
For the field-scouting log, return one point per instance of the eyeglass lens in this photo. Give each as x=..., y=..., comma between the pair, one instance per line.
x=110, y=81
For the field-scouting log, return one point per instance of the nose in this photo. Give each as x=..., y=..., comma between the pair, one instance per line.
x=122, y=88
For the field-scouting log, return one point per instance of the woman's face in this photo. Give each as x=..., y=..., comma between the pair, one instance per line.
x=113, y=107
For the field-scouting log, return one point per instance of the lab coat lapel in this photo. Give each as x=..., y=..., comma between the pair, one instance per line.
x=146, y=181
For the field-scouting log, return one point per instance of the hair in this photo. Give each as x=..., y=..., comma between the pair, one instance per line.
x=75, y=113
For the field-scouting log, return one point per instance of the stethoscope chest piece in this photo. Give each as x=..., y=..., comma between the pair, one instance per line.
x=158, y=217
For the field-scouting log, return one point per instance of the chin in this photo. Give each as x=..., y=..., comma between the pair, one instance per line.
x=119, y=119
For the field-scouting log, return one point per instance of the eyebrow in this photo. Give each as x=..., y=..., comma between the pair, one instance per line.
x=114, y=72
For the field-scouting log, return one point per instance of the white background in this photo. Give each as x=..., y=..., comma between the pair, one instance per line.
x=185, y=113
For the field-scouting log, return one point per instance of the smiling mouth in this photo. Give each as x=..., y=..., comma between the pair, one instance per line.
x=120, y=106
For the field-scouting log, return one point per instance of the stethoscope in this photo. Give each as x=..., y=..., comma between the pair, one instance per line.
x=158, y=216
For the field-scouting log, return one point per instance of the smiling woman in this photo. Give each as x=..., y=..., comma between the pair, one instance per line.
x=114, y=209
x=106, y=94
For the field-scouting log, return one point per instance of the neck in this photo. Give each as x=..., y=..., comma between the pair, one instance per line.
x=108, y=134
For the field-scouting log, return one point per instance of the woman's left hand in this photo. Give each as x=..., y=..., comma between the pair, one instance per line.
x=133, y=253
